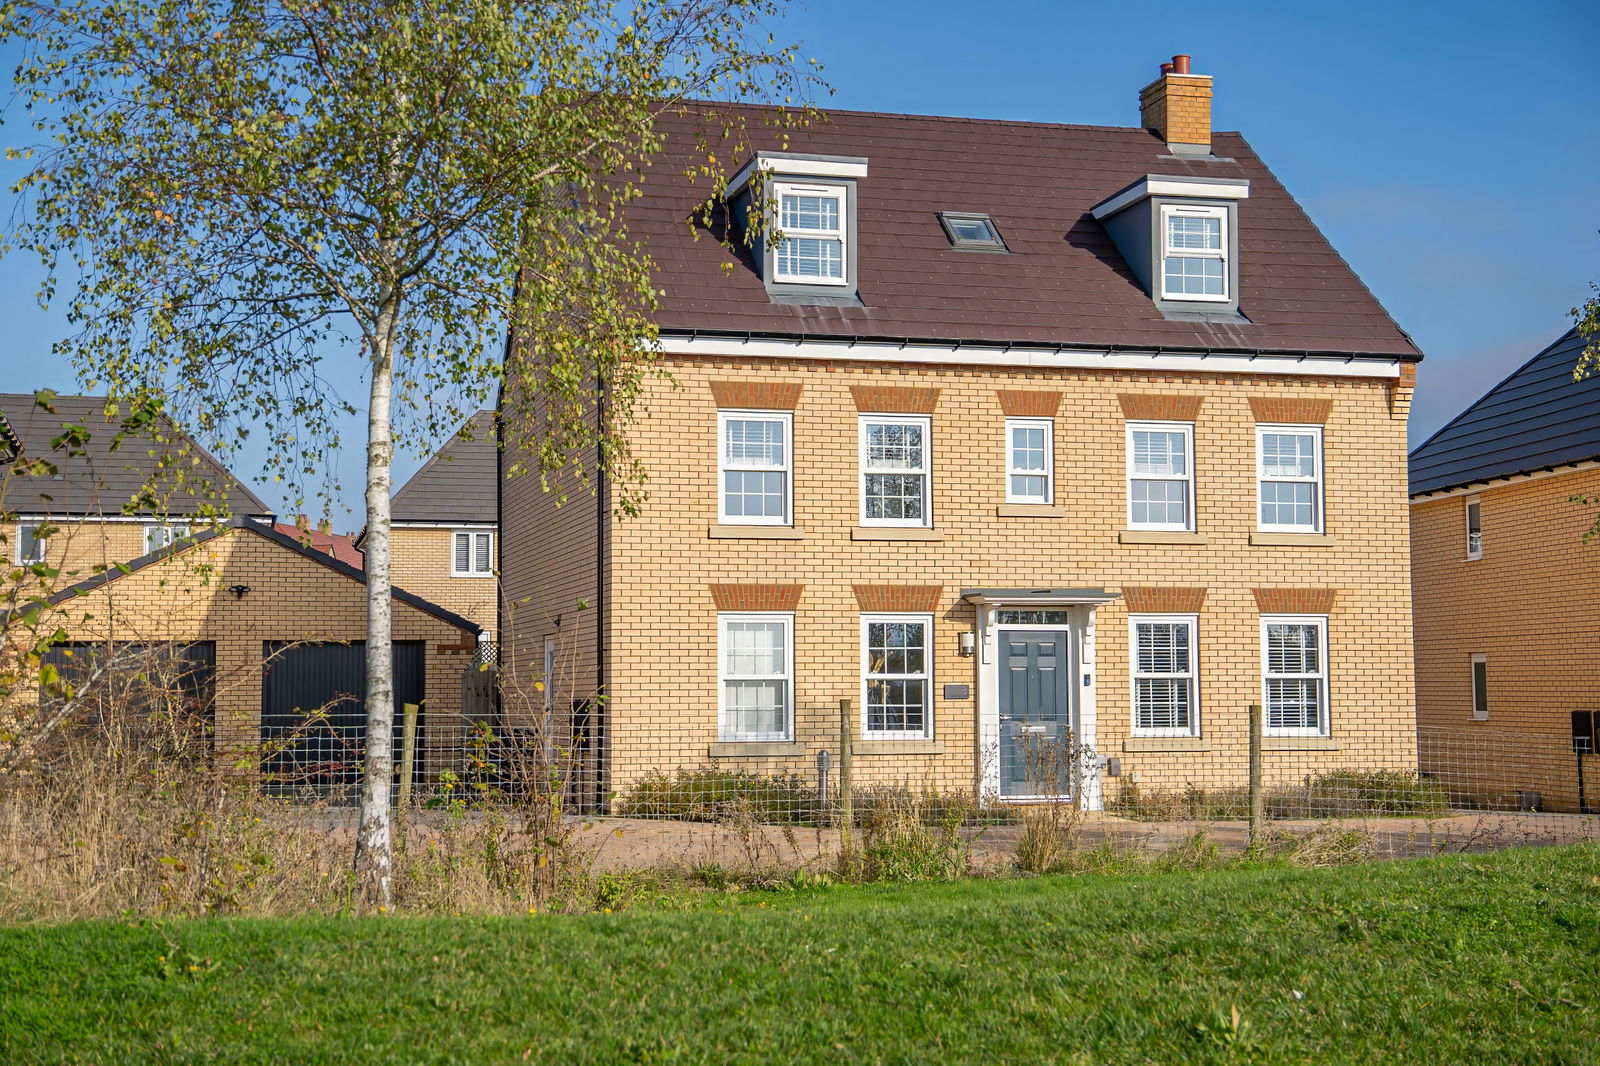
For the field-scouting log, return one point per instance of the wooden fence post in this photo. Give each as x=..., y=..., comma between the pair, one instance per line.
x=1258, y=819
x=408, y=753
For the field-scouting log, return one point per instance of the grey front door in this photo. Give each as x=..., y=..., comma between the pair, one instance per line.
x=1035, y=717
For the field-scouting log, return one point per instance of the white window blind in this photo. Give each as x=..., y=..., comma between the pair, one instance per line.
x=756, y=652
x=1160, y=475
x=1164, y=676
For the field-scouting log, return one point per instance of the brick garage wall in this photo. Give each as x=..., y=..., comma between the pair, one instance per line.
x=422, y=563
x=291, y=598
x=1531, y=605
x=662, y=615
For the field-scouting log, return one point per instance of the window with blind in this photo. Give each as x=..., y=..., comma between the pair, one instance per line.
x=1030, y=462
x=894, y=470
x=473, y=553
x=756, y=656
x=1161, y=475
x=1165, y=696
x=1294, y=668
x=1194, y=253
x=1289, y=478
x=754, y=464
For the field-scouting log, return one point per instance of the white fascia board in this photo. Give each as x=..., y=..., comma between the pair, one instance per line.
x=1155, y=185
x=1473, y=488
x=1053, y=358
x=787, y=163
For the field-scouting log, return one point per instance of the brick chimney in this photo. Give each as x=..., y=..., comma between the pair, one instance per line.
x=1177, y=108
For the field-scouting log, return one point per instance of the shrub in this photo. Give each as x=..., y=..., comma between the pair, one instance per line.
x=718, y=795
x=1334, y=794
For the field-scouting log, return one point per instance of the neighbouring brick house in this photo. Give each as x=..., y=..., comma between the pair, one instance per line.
x=263, y=624
x=97, y=500
x=445, y=521
x=1507, y=606
x=1011, y=431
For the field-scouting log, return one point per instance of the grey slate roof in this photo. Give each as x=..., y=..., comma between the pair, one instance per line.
x=1065, y=282
x=266, y=532
x=457, y=483
x=103, y=480
x=1536, y=419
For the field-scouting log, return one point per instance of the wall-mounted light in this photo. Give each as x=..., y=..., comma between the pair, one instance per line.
x=238, y=591
x=969, y=642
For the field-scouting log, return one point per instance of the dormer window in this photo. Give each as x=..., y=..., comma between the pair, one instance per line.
x=971, y=233
x=797, y=216
x=1180, y=237
x=1194, y=255
x=811, y=243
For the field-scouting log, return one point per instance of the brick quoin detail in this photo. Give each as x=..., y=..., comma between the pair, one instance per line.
x=1401, y=391
x=894, y=400
x=1289, y=410
x=1163, y=600
x=1140, y=407
x=756, y=395
x=756, y=597
x=1295, y=601
x=898, y=597
x=1025, y=403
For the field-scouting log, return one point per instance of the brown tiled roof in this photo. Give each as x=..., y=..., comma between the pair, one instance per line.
x=104, y=480
x=342, y=546
x=1066, y=284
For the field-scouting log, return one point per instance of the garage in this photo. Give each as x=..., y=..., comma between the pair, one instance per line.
x=313, y=714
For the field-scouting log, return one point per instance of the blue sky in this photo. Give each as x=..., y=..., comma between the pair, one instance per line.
x=1448, y=151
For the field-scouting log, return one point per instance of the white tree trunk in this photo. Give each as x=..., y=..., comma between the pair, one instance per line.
x=374, y=859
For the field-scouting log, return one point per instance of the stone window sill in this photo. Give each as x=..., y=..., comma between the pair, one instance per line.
x=897, y=747
x=1301, y=744
x=1028, y=510
x=894, y=533
x=1293, y=540
x=1167, y=744
x=1160, y=536
x=756, y=533
x=755, y=750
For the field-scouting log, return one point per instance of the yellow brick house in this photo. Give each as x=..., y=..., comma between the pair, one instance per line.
x=1012, y=432
x=1507, y=607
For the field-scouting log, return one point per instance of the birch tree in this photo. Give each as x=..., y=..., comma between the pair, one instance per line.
x=235, y=194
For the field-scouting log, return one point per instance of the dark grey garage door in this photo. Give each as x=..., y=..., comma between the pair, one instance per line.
x=313, y=714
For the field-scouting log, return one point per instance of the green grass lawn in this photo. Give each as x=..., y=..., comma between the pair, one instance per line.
x=1482, y=959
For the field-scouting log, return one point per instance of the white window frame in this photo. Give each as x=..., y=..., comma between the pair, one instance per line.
x=1049, y=427
x=1473, y=507
x=1192, y=676
x=926, y=677
x=724, y=734
x=41, y=545
x=1187, y=429
x=841, y=193
x=1168, y=252
x=1480, y=697
x=1324, y=715
x=1315, y=481
x=786, y=418
x=158, y=535
x=926, y=471
x=473, y=556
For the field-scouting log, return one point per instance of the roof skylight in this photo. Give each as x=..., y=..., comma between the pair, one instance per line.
x=971, y=232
